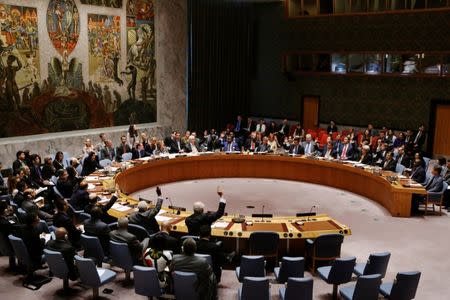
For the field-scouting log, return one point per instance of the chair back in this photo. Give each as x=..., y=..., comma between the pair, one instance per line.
x=127, y=156
x=146, y=282
x=328, y=245
x=405, y=286
x=56, y=263
x=299, y=289
x=367, y=287
x=291, y=267
x=120, y=255
x=5, y=246
x=105, y=162
x=82, y=216
x=255, y=288
x=377, y=264
x=21, y=215
x=139, y=231
x=263, y=242
x=185, y=285
x=399, y=169
x=252, y=266
x=20, y=251
x=207, y=257
x=342, y=270
x=88, y=272
x=92, y=248
x=184, y=237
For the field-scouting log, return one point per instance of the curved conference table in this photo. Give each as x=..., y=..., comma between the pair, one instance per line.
x=292, y=230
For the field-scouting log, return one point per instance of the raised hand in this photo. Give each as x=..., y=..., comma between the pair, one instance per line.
x=158, y=191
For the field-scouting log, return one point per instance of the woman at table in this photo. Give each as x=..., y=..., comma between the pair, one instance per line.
x=160, y=148
x=88, y=147
x=273, y=142
x=90, y=164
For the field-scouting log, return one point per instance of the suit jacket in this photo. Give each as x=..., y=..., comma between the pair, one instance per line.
x=418, y=174
x=139, y=153
x=19, y=198
x=30, y=207
x=36, y=175
x=48, y=171
x=284, y=130
x=421, y=140
x=312, y=147
x=105, y=217
x=250, y=127
x=120, y=151
x=188, y=148
x=197, y=265
x=234, y=147
x=349, y=153
x=435, y=184
x=174, y=146
x=79, y=199
x=68, y=252
x=296, y=149
x=89, y=166
x=195, y=221
x=168, y=242
x=390, y=165
x=325, y=150
x=99, y=229
x=147, y=218
x=65, y=188
x=107, y=153
x=33, y=242
x=366, y=159
x=217, y=255
x=263, y=148
x=62, y=219
x=405, y=161
x=17, y=164
x=123, y=236
x=248, y=145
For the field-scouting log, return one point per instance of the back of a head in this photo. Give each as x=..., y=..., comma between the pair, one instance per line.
x=142, y=206
x=205, y=231
x=96, y=213
x=122, y=223
x=60, y=204
x=60, y=233
x=189, y=247
x=199, y=207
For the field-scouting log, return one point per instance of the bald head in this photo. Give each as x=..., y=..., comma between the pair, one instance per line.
x=142, y=206
x=199, y=207
x=60, y=233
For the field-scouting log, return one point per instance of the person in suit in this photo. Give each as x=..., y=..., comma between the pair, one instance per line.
x=62, y=219
x=107, y=151
x=30, y=207
x=366, y=157
x=93, y=202
x=19, y=162
x=403, y=158
x=418, y=173
x=251, y=144
x=30, y=234
x=122, y=235
x=199, y=217
x=239, y=127
x=96, y=227
x=192, y=146
x=332, y=128
x=218, y=256
x=435, y=184
x=62, y=245
x=58, y=162
x=329, y=151
x=420, y=139
x=296, y=148
x=90, y=164
x=309, y=145
x=250, y=126
x=48, y=170
x=166, y=242
x=123, y=148
x=389, y=163
x=36, y=172
x=146, y=217
x=188, y=262
x=139, y=151
x=345, y=150
x=64, y=185
x=80, y=197
x=177, y=145
x=20, y=195
x=283, y=130
x=230, y=145
x=264, y=146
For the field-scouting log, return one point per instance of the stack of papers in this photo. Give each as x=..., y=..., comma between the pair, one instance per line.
x=220, y=225
x=91, y=178
x=120, y=207
x=163, y=218
x=91, y=186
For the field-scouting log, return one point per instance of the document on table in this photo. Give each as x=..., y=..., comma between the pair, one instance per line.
x=145, y=158
x=120, y=207
x=101, y=272
x=40, y=190
x=163, y=218
x=91, y=178
x=220, y=225
x=91, y=186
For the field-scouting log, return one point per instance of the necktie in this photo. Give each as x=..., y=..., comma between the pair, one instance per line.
x=417, y=137
x=252, y=147
x=344, y=152
x=308, y=146
x=229, y=147
x=296, y=150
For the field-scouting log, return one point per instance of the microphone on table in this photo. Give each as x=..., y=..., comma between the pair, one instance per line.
x=171, y=204
x=175, y=208
x=310, y=211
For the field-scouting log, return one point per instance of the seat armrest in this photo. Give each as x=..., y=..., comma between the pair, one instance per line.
x=309, y=242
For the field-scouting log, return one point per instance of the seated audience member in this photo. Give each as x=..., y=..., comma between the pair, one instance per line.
x=206, y=246
x=403, y=158
x=230, y=145
x=166, y=241
x=272, y=128
x=96, y=227
x=139, y=151
x=20, y=195
x=26, y=176
x=332, y=128
x=191, y=146
x=309, y=145
x=30, y=207
x=19, y=162
x=264, y=146
x=62, y=245
x=296, y=148
x=146, y=217
x=80, y=197
x=58, y=162
x=48, y=170
x=345, y=150
x=418, y=173
x=64, y=185
x=299, y=131
x=30, y=234
x=122, y=148
x=72, y=170
x=101, y=144
x=107, y=151
x=176, y=145
x=161, y=148
x=88, y=147
x=329, y=151
x=381, y=152
x=250, y=126
x=435, y=184
x=62, y=219
x=261, y=126
x=143, y=138
x=36, y=172
x=159, y=258
x=443, y=163
x=188, y=262
x=283, y=130
x=199, y=217
x=399, y=141
x=389, y=163
x=132, y=134
x=93, y=202
x=121, y=235
x=90, y=164
x=151, y=146
x=366, y=157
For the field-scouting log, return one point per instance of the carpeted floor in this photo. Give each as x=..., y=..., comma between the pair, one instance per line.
x=419, y=243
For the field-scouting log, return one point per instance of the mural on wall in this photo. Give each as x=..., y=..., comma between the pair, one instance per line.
x=115, y=91
x=107, y=3
x=19, y=56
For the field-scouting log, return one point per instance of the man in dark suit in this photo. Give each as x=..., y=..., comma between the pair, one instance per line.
x=435, y=184
x=122, y=148
x=366, y=157
x=309, y=145
x=264, y=146
x=389, y=164
x=90, y=164
x=419, y=139
x=36, y=172
x=345, y=150
x=96, y=227
x=403, y=158
x=107, y=151
x=188, y=262
x=93, y=202
x=166, y=242
x=296, y=148
x=329, y=151
x=250, y=126
x=62, y=245
x=29, y=206
x=80, y=198
x=418, y=173
x=30, y=234
x=64, y=185
x=146, y=217
x=139, y=151
x=19, y=162
x=62, y=219
x=20, y=196
x=199, y=217
x=230, y=145
x=251, y=144
x=176, y=145
x=121, y=235
x=283, y=130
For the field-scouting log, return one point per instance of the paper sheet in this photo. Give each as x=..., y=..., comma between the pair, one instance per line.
x=101, y=272
x=145, y=158
x=221, y=225
x=120, y=207
x=91, y=186
x=162, y=218
x=91, y=178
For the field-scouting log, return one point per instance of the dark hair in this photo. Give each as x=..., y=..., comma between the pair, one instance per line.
x=30, y=219
x=205, y=231
x=59, y=154
x=437, y=168
x=19, y=153
x=442, y=161
x=96, y=213
x=21, y=185
x=59, y=204
x=189, y=246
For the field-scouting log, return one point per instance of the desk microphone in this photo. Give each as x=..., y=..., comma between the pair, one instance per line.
x=262, y=214
x=171, y=204
x=310, y=211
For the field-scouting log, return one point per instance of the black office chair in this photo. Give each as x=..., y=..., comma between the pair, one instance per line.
x=264, y=243
x=326, y=247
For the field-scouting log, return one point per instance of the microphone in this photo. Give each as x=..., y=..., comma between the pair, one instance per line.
x=310, y=211
x=175, y=208
x=171, y=204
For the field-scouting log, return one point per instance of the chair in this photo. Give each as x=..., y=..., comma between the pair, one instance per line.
x=366, y=288
x=184, y=284
x=7, y=250
x=57, y=192
x=376, y=264
x=66, y=159
x=251, y=266
x=184, y=237
x=436, y=198
x=326, y=247
x=254, y=288
x=426, y=160
x=82, y=216
x=297, y=289
x=121, y=257
x=57, y=266
x=207, y=257
x=146, y=282
x=404, y=286
x=21, y=215
x=338, y=273
x=54, y=179
x=127, y=156
x=290, y=267
x=264, y=243
x=92, y=276
x=105, y=163
x=399, y=169
x=92, y=248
